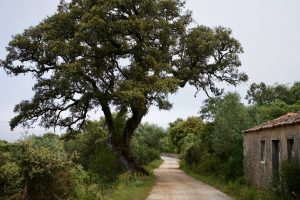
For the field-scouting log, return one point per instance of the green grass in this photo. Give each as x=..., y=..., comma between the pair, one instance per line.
x=133, y=187
x=238, y=189
x=153, y=165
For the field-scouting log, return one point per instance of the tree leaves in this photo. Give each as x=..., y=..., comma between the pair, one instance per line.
x=118, y=53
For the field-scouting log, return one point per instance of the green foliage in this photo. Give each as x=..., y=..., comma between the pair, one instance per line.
x=290, y=177
x=85, y=142
x=167, y=146
x=120, y=55
x=193, y=153
x=133, y=187
x=216, y=147
x=153, y=165
x=40, y=168
x=218, y=151
x=50, y=168
x=98, y=159
x=10, y=174
x=85, y=189
x=94, y=153
x=223, y=137
x=147, y=143
x=45, y=168
x=295, y=92
x=270, y=102
x=231, y=118
x=104, y=164
x=182, y=128
x=275, y=110
x=262, y=94
x=210, y=165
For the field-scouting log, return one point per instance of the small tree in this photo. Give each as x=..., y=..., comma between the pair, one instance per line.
x=180, y=129
x=146, y=143
x=230, y=118
x=125, y=55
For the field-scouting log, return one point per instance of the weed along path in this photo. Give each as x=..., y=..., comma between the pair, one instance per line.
x=174, y=184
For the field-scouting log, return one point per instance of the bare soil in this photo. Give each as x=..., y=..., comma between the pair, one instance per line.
x=173, y=184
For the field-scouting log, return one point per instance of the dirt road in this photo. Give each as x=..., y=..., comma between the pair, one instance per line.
x=174, y=184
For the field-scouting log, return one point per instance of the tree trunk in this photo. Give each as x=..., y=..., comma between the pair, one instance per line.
x=124, y=154
x=120, y=145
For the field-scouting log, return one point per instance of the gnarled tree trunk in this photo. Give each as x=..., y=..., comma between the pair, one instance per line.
x=125, y=155
x=120, y=144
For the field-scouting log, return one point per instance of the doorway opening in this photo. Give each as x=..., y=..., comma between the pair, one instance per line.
x=275, y=157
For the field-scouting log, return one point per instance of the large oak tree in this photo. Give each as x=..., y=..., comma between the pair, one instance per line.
x=119, y=56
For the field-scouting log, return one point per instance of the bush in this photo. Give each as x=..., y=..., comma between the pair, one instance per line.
x=45, y=168
x=181, y=129
x=49, y=173
x=193, y=154
x=210, y=165
x=39, y=168
x=84, y=188
x=104, y=164
x=146, y=143
x=290, y=177
x=94, y=154
x=10, y=177
x=86, y=142
x=167, y=145
x=144, y=154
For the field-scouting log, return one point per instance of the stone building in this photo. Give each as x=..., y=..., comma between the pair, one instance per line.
x=267, y=145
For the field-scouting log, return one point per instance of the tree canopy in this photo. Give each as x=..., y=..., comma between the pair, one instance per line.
x=117, y=55
x=181, y=128
x=262, y=94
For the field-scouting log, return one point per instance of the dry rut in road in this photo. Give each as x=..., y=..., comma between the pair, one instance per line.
x=174, y=184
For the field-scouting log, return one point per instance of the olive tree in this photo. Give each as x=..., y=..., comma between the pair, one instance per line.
x=118, y=56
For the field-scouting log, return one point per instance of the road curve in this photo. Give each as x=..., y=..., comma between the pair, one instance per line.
x=174, y=184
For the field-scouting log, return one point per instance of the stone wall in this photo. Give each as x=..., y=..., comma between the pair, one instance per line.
x=260, y=172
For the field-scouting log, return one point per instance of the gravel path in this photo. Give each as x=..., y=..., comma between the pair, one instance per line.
x=174, y=184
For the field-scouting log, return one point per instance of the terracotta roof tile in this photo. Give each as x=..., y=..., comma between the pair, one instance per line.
x=285, y=120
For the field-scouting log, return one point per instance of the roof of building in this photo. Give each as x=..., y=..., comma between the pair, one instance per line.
x=285, y=120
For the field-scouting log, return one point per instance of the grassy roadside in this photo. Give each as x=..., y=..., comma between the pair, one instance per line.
x=237, y=190
x=131, y=187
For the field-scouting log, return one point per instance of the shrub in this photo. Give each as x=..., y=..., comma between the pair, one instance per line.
x=143, y=154
x=193, y=154
x=85, y=142
x=146, y=143
x=167, y=145
x=290, y=177
x=84, y=187
x=94, y=154
x=46, y=169
x=181, y=129
x=40, y=168
x=104, y=164
x=210, y=165
x=10, y=177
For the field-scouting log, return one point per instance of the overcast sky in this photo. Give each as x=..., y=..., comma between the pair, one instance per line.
x=269, y=31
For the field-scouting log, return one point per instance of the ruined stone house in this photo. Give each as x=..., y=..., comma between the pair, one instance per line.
x=267, y=145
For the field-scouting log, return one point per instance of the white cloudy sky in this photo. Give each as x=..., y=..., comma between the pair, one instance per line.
x=269, y=31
